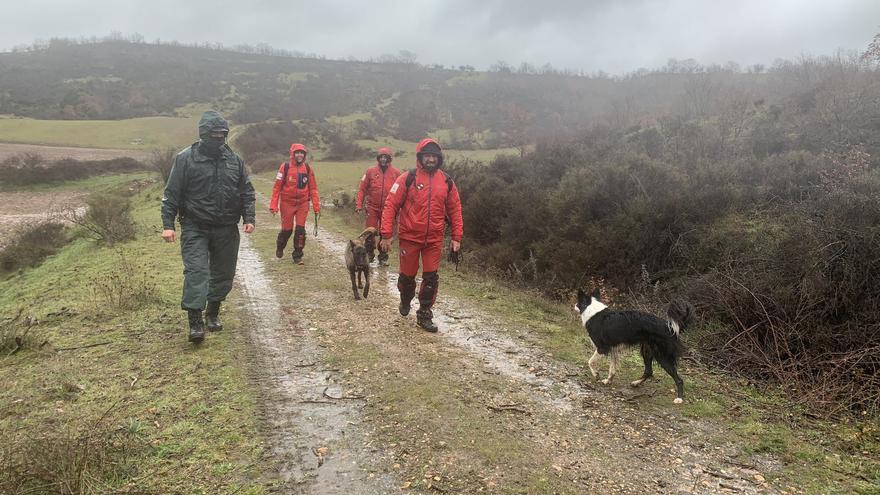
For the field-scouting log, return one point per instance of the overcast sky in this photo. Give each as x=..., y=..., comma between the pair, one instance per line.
x=615, y=36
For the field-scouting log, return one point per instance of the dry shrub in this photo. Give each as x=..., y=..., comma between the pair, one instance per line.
x=106, y=218
x=77, y=459
x=125, y=288
x=16, y=333
x=30, y=168
x=161, y=161
x=32, y=244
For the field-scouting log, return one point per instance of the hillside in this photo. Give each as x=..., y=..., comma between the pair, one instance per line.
x=505, y=107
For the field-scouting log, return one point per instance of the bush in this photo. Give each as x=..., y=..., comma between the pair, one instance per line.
x=272, y=139
x=779, y=251
x=76, y=459
x=33, y=244
x=15, y=333
x=125, y=288
x=106, y=218
x=265, y=164
x=29, y=168
x=162, y=161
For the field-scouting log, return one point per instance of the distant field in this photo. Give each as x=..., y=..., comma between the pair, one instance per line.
x=52, y=153
x=133, y=134
x=406, y=151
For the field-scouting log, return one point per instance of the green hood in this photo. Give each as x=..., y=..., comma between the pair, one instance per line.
x=210, y=121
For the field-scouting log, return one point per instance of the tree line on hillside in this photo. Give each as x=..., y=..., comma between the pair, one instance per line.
x=765, y=215
x=506, y=106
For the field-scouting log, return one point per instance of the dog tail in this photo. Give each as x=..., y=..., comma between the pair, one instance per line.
x=679, y=316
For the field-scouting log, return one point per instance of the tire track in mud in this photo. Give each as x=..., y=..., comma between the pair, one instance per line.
x=669, y=453
x=314, y=435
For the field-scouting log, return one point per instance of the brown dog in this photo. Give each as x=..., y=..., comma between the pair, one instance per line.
x=357, y=260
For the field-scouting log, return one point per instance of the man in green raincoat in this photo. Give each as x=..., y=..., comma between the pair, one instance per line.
x=209, y=191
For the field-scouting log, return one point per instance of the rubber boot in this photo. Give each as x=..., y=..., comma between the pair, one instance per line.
x=425, y=319
x=212, y=317
x=299, y=242
x=196, y=326
x=407, y=287
x=281, y=242
x=427, y=296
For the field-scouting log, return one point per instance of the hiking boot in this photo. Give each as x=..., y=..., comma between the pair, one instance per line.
x=196, y=326
x=281, y=242
x=297, y=257
x=212, y=317
x=403, y=308
x=407, y=287
x=425, y=320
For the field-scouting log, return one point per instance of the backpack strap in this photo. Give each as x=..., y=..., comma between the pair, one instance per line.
x=411, y=177
x=287, y=170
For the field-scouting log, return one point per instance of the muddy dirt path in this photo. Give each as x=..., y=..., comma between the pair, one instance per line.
x=313, y=422
x=607, y=442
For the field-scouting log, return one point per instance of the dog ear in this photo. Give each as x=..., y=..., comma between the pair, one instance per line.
x=351, y=244
x=597, y=295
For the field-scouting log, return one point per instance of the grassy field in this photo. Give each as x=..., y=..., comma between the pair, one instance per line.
x=106, y=395
x=405, y=151
x=144, y=133
x=830, y=456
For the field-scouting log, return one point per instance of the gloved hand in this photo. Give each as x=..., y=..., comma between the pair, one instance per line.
x=455, y=256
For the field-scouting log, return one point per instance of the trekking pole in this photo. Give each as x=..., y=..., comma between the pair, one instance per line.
x=316, y=224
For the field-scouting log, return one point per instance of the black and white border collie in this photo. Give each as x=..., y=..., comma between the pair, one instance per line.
x=612, y=332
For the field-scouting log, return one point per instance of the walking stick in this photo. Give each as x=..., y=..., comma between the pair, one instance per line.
x=316, y=224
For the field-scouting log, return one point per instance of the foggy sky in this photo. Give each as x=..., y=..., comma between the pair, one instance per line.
x=615, y=36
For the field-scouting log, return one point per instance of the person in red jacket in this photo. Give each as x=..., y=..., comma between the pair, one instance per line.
x=373, y=190
x=425, y=198
x=294, y=186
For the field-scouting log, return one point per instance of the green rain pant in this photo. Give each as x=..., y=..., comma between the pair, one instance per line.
x=210, y=253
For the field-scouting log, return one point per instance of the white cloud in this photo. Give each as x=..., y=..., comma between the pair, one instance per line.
x=614, y=36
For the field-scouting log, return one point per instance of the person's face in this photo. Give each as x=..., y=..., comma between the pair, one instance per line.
x=299, y=156
x=384, y=160
x=219, y=136
x=430, y=161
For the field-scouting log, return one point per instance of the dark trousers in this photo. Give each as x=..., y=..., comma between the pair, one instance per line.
x=210, y=253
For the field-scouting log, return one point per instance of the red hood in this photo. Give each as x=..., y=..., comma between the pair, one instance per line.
x=384, y=151
x=298, y=147
x=421, y=145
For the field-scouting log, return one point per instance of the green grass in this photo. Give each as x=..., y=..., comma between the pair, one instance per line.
x=405, y=151
x=350, y=119
x=143, y=133
x=91, y=184
x=186, y=410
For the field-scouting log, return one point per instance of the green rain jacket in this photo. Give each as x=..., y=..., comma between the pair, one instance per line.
x=206, y=190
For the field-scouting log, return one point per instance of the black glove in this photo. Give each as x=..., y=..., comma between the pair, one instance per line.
x=455, y=256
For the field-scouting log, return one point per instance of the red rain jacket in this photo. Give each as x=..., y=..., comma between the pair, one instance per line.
x=424, y=206
x=375, y=185
x=299, y=186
